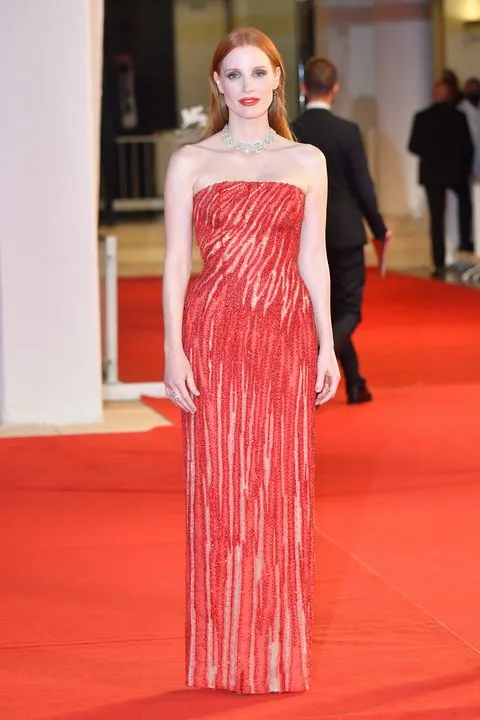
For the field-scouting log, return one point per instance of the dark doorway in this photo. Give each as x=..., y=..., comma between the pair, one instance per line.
x=143, y=31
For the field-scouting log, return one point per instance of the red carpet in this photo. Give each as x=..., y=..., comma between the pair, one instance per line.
x=91, y=559
x=403, y=337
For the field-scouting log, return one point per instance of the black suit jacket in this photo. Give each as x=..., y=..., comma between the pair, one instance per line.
x=441, y=138
x=351, y=193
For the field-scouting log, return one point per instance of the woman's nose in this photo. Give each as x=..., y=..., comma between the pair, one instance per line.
x=248, y=84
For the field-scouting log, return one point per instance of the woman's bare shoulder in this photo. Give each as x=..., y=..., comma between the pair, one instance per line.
x=190, y=162
x=181, y=158
x=308, y=161
x=309, y=156
x=186, y=160
x=191, y=152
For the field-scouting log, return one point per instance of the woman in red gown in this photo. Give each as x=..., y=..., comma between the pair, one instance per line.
x=249, y=353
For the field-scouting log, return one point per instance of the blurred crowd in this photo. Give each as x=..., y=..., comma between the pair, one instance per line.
x=446, y=138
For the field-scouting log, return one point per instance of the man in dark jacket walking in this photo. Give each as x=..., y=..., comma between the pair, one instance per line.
x=351, y=198
x=441, y=138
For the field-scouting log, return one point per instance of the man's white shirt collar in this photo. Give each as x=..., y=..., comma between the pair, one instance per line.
x=318, y=105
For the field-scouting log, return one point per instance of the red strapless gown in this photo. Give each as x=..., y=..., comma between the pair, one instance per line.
x=249, y=333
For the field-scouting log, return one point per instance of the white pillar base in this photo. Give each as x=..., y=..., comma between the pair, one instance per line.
x=124, y=392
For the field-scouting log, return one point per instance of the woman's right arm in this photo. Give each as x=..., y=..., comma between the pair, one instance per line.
x=176, y=274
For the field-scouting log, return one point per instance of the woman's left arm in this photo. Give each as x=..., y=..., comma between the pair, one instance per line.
x=313, y=267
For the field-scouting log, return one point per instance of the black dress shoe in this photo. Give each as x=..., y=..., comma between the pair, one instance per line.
x=359, y=394
x=438, y=274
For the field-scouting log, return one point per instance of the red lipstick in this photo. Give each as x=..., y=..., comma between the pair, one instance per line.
x=249, y=101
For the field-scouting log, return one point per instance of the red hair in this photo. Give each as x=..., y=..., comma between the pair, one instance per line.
x=277, y=113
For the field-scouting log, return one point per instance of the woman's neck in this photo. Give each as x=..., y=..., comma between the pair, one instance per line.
x=248, y=130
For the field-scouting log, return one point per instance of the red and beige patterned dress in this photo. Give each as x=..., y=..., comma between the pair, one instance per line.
x=249, y=333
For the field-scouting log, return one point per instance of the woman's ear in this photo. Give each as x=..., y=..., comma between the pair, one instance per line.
x=278, y=77
x=218, y=81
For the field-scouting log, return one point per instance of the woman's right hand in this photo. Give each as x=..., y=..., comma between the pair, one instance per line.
x=179, y=382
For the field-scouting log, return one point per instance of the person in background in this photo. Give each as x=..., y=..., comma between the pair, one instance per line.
x=470, y=105
x=466, y=100
x=450, y=78
x=351, y=199
x=441, y=138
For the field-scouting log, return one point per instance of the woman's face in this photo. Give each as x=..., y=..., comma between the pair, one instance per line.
x=247, y=81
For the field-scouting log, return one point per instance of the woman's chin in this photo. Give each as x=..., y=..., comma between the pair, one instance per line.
x=250, y=113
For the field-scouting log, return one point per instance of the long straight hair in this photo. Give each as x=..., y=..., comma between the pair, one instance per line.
x=277, y=113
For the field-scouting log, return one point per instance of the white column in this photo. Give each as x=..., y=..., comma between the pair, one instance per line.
x=404, y=75
x=50, y=357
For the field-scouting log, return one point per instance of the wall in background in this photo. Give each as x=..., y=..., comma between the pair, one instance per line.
x=198, y=27
x=383, y=51
x=461, y=45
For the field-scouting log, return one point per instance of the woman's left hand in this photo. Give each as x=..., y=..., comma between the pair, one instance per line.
x=328, y=377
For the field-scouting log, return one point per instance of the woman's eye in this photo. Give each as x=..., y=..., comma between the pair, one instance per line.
x=259, y=73
x=233, y=75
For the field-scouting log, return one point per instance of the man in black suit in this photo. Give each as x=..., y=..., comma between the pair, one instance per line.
x=351, y=198
x=441, y=138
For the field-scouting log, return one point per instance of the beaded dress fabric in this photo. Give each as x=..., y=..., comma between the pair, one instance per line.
x=249, y=333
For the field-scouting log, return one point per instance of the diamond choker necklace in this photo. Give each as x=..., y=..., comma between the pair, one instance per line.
x=258, y=146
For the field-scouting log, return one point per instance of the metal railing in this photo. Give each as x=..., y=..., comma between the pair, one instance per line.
x=137, y=182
